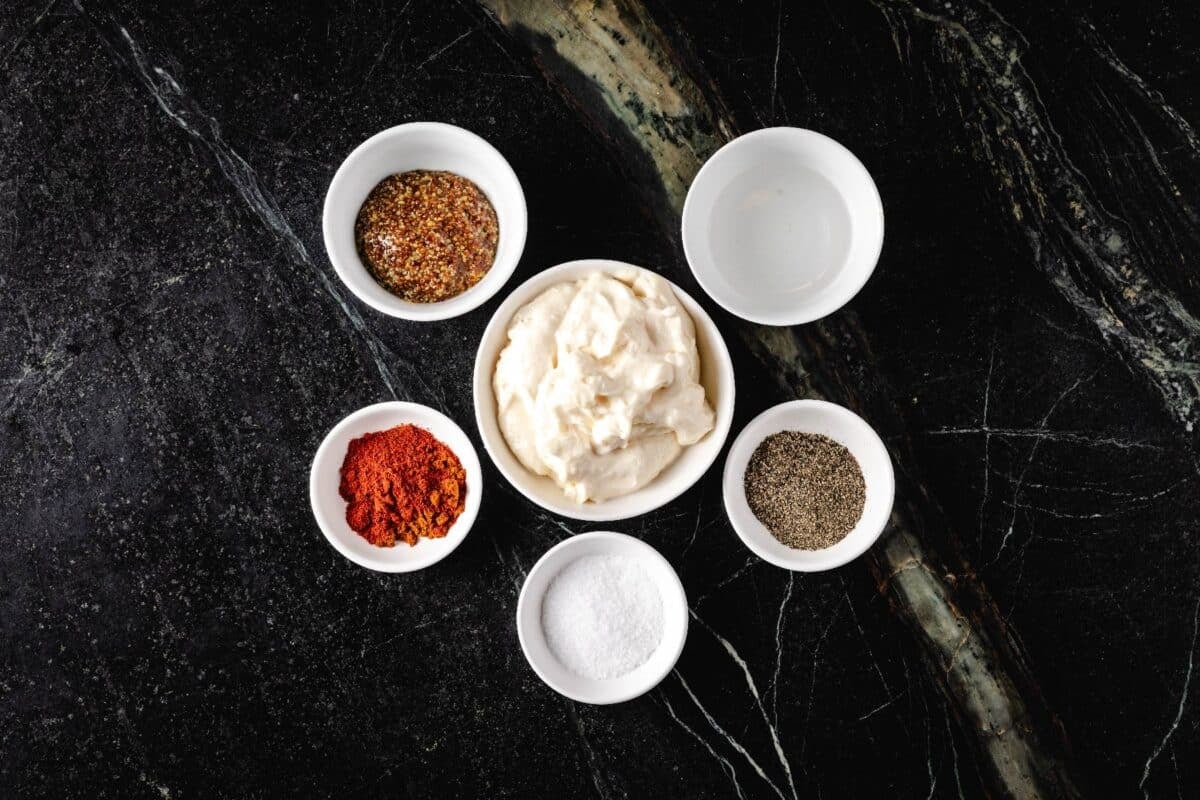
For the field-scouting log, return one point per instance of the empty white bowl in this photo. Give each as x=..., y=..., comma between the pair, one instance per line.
x=533, y=639
x=429, y=146
x=330, y=509
x=716, y=375
x=782, y=226
x=844, y=427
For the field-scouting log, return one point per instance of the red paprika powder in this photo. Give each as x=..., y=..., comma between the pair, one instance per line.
x=401, y=484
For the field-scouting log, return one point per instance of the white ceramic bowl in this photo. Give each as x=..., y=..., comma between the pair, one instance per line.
x=533, y=640
x=782, y=226
x=330, y=509
x=431, y=146
x=844, y=427
x=716, y=375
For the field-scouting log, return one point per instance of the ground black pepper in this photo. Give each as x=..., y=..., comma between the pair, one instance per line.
x=427, y=235
x=807, y=489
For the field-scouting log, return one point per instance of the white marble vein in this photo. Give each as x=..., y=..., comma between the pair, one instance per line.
x=435, y=55
x=930, y=772
x=751, y=562
x=953, y=754
x=1083, y=438
x=891, y=695
x=600, y=782
x=716, y=726
x=515, y=573
x=1150, y=94
x=695, y=525
x=753, y=687
x=1078, y=244
x=725, y=764
x=773, y=688
x=1183, y=698
x=1033, y=451
x=775, y=62
x=174, y=101
x=812, y=684
x=20, y=38
x=987, y=437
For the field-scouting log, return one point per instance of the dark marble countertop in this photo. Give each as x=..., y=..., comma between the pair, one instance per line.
x=174, y=345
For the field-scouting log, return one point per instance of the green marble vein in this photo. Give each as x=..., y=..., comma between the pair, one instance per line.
x=1089, y=254
x=642, y=92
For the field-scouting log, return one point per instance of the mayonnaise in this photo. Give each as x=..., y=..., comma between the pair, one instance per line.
x=598, y=386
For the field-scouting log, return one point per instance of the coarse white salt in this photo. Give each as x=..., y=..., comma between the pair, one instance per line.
x=602, y=616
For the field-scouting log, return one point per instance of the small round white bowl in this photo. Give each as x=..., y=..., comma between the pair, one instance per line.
x=533, y=639
x=330, y=509
x=782, y=226
x=430, y=146
x=844, y=427
x=716, y=375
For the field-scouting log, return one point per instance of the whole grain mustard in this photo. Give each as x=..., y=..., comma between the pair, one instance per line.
x=427, y=236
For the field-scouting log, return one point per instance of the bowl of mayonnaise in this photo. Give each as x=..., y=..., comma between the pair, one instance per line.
x=602, y=390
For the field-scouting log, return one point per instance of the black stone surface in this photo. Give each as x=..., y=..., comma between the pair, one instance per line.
x=174, y=345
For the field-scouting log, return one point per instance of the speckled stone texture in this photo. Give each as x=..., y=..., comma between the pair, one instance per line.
x=174, y=345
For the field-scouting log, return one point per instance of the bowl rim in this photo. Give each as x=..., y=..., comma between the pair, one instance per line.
x=677, y=592
x=460, y=304
x=416, y=414
x=836, y=557
x=819, y=310
x=606, y=510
